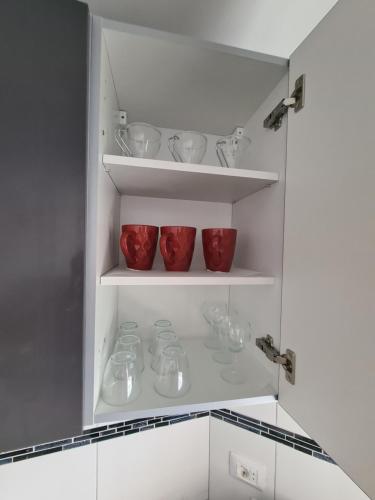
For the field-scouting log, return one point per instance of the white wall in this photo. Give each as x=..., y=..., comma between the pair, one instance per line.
x=225, y=438
x=185, y=461
x=170, y=463
x=291, y=475
x=266, y=26
x=63, y=475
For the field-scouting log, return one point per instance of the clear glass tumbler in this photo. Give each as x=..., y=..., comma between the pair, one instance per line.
x=158, y=326
x=173, y=378
x=121, y=381
x=163, y=339
x=132, y=343
x=128, y=327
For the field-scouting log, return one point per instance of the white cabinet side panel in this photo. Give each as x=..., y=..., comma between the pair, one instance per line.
x=107, y=227
x=329, y=268
x=259, y=219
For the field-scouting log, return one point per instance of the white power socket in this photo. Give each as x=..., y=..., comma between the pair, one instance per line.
x=246, y=470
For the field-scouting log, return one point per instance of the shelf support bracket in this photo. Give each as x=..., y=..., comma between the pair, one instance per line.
x=296, y=101
x=287, y=360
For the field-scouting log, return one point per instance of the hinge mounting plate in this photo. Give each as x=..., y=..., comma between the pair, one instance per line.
x=287, y=360
x=295, y=101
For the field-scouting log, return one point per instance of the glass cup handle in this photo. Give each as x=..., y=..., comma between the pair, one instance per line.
x=220, y=154
x=171, y=143
x=120, y=141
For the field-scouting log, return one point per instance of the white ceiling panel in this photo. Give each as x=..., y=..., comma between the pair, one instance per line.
x=273, y=27
x=187, y=86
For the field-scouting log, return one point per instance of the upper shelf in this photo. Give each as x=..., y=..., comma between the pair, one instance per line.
x=122, y=276
x=185, y=181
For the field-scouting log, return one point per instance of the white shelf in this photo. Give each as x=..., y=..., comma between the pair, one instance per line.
x=123, y=276
x=185, y=181
x=208, y=390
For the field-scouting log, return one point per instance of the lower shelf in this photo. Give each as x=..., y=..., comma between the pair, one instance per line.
x=208, y=390
x=123, y=276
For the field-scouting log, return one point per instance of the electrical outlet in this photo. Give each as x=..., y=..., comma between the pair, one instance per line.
x=246, y=470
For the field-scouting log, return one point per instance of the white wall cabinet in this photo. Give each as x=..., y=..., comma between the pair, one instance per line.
x=312, y=270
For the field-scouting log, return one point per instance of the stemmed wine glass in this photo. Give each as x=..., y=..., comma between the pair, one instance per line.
x=213, y=313
x=238, y=333
x=223, y=355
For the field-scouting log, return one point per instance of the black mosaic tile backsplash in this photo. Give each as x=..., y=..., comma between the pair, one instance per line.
x=129, y=427
x=268, y=431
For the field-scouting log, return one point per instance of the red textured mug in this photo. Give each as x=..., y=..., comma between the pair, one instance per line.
x=219, y=245
x=177, y=247
x=138, y=243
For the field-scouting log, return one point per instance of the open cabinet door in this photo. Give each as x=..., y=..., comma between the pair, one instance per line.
x=328, y=312
x=43, y=53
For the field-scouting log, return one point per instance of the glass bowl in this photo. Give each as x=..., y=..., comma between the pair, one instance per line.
x=139, y=140
x=188, y=147
x=230, y=148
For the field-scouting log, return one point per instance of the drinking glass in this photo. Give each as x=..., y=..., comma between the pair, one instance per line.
x=230, y=148
x=158, y=326
x=163, y=339
x=132, y=343
x=188, y=147
x=238, y=335
x=223, y=355
x=213, y=313
x=140, y=140
x=173, y=379
x=121, y=381
x=128, y=327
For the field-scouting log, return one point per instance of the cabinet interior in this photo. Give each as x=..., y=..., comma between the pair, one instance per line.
x=180, y=85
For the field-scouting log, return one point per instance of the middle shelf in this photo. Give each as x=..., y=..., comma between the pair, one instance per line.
x=184, y=181
x=208, y=390
x=123, y=276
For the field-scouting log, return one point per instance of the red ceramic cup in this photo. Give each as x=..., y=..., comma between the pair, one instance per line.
x=219, y=245
x=138, y=244
x=177, y=247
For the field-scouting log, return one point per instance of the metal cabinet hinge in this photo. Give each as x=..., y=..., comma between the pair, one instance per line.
x=287, y=360
x=295, y=101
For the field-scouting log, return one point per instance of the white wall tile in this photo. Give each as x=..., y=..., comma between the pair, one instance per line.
x=226, y=437
x=168, y=463
x=63, y=475
x=299, y=476
x=264, y=412
x=285, y=421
